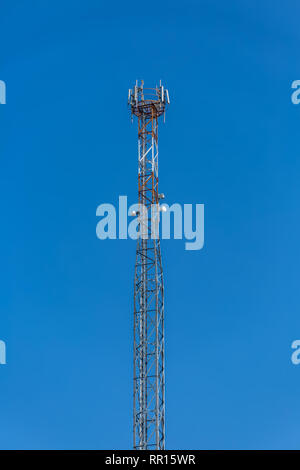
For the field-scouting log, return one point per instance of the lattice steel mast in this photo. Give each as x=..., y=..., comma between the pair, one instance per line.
x=148, y=104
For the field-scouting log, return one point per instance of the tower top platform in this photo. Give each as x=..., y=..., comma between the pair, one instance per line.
x=147, y=102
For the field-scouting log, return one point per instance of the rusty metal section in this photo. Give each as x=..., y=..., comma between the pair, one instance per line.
x=148, y=104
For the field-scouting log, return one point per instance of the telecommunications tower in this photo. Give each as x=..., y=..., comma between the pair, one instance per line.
x=148, y=104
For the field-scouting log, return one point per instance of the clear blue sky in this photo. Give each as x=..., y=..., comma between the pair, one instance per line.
x=231, y=141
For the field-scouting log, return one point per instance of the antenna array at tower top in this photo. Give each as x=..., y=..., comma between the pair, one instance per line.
x=148, y=100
